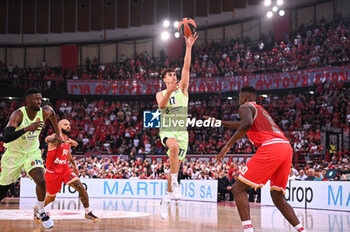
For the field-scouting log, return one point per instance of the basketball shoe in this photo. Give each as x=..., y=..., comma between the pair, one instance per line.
x=40, y=216
x=91, y=217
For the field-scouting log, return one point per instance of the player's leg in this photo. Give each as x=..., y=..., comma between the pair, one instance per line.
x=49, y=198
x=11, y=167
x=35, y=169
x=38, y=175
x=279, y=182
x=53, y=186
x=257, y=172
x=239, y=191
x=173, y=147
x=84, y=197
x=4, y=190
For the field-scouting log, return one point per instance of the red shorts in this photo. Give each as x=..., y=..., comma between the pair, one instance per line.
x=54, y=180
x=270, y=162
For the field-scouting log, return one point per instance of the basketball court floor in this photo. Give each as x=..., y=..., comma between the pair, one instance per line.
x=143, y=215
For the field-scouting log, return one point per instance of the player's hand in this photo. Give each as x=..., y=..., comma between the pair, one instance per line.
x=223, y=152
x=58, y=139
x=72, y=143
x=35, y=126
x=173, y=88
x=191, y=39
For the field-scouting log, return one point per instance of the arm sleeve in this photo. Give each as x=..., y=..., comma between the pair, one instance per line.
x=11, y=135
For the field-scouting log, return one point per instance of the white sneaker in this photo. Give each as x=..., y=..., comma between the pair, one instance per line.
x=175, y=186
x=43, y=217
x=164, y=208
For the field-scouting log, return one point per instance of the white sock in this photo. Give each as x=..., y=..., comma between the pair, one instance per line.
x=168, y=197
x=87, y=210
x=174, y=178
x=247, y=226
x=299, y=228
x=41, y=205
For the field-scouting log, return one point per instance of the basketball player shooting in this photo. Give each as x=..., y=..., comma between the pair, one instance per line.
x=21, y=139
x=58, y=170
x=173, y=103
x=272, y=161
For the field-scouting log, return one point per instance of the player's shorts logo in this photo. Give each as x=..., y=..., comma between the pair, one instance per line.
x=151, y=119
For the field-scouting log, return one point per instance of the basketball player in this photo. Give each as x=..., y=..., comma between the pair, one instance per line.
x=173, y=102
x=271, y=161
x=21, y=139
x=58, y=170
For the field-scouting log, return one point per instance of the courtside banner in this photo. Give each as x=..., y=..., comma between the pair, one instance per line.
x=334, y=195
x=194, y=190
x=302, y=78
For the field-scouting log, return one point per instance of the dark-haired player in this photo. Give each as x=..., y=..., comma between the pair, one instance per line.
x=21, y=139
x=173, y=102
x=271, y=161
x=58, y=170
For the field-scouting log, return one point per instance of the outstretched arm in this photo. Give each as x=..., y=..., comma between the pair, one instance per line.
x=229, y=124
x=50, y=113
x=246, y=115
x=185, y=75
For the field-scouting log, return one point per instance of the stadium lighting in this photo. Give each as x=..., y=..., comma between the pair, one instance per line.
x=280, y=2
x=267, y=2
x=165, y=35
x=274, y=9
x=177, y=34
x=176, y=24
x=264, y=95
x=166, y=23
x=269, y=14
x=281, y=12
x=311, y=92
x=229, y=98
x=10, y=98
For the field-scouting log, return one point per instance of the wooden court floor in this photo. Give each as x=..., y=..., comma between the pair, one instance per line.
x=143, y=215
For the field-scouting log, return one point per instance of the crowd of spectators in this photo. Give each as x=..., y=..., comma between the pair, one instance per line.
x=310, y=46
x=116, y=127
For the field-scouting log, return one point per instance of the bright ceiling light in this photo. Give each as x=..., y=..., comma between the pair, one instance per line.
x=281, y=12
x=165, y=35
x=166, y=23
x=279, y=2
x=176, y=24
x=269, y=14
x=274, y=9
x=267, y=2
x=177, y=34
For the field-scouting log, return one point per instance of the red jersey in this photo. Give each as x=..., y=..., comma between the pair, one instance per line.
x=264, y=130
x=57, y=159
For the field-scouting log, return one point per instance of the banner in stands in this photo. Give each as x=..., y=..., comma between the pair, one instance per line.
x=302, y=78
x=334, y=195
x=194, y=190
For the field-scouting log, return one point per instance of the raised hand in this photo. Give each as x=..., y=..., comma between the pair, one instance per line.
x=191, y=39
x=173, y=88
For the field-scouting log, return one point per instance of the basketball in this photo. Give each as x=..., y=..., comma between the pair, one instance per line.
x=187, y=27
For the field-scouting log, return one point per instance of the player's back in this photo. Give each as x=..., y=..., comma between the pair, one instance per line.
x=264, y=130
x=56, y=161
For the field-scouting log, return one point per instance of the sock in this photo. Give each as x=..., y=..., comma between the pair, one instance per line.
x=87, y=210
x=299, y=228
x=247, y=226
x=167, y=197
x=41, y=205
x=174, y=178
